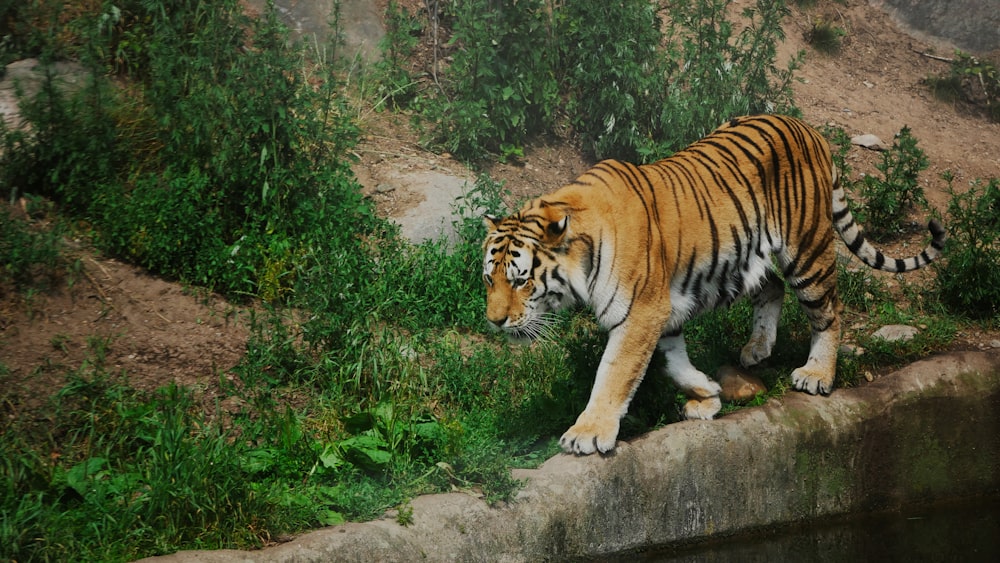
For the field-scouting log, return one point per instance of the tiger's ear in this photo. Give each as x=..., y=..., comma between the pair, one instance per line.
x=555, y=230
x=491, y=221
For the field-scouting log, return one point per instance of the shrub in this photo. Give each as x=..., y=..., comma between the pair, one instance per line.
x=26, y=253
x=501, y=87
x=396, y=86
x=968, y=276
x=219, y=162
x=889, y=199
x=616, y=73
x=825, y=37
x=630, y=90
x=972, y=80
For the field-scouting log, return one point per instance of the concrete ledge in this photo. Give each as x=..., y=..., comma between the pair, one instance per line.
x=927, y=432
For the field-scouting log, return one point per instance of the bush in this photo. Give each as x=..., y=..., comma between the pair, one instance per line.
x=27, y=254
x=972, y=80
x=825, y=37
x=501, y=86
x=630, y=90
x=889, y=199
x=234, y=147
x=968, y=276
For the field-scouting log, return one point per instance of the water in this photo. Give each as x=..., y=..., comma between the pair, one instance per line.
x=961, y=533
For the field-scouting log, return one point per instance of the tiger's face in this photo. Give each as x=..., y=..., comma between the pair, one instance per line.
x=521, y=274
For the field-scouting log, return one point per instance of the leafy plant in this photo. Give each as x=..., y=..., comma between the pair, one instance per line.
x=825, y=37
x=28, y=255
x=973, y=80
x=637, y=94
x=402, y=34
x=889, y=199
x=968, y=276
x=502, y=87
x=237, y=154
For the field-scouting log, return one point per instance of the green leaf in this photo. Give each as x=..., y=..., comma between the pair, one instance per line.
x=330, y=517
x=78, y=476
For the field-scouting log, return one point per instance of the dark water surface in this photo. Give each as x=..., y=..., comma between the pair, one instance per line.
x=968, y=532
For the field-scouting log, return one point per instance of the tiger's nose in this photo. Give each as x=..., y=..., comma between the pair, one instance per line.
x=499, y=322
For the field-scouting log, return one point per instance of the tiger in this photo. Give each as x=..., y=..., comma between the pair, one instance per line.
x=647, y=247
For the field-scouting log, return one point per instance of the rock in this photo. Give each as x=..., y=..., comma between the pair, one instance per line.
x=849, y=349
x=868, y=141
x=896, y=333
x=28, y=75
x=738, y=385
x=994, y=343
x=361, y=28
x=970, y=25
x=433, y=216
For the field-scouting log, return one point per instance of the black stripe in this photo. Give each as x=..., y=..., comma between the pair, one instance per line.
x=879, y=261
x=856, y=244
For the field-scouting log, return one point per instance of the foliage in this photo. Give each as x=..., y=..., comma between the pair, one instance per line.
x=236, y=147
x=402, y=33
x=125, y=475
x=632, y=91
x=27, y=253
x=825, y=37
x=502, y=87
x=889, y=199
x=973, y=80
x=968, y=278
x=668, y=90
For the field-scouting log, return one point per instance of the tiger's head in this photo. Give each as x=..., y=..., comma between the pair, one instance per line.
x=525, y=279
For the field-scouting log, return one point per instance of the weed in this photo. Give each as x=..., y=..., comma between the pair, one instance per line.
x=396, y=87
x=639, y=95
x=889, y=199
x=231, y=147
x=825, y=37
x=30, y=256
x=404, y=515
x=968, y=278
x=626, y=92
x=503, y=87
x=972, y=80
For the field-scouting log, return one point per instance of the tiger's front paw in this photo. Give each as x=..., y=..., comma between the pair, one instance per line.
x=590, y=434
x=702, y=409
x=704, y=403
x=812, y=381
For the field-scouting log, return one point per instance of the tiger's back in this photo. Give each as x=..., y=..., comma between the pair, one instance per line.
x=647, y=247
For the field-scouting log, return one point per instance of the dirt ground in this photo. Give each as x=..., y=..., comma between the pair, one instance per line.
x=155, y=331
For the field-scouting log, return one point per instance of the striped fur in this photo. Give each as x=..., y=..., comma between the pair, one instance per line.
x=648, y=247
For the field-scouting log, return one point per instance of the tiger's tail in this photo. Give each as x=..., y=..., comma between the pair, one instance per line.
x=856, y=242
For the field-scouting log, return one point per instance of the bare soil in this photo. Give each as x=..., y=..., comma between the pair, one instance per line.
x=155, y=331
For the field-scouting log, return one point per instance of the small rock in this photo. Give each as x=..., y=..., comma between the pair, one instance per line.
x=849, y=349
x=384, y=188
x=994, y=343
x=868, y=141
x=738, y=385
x=868, y=84
x=896, y=333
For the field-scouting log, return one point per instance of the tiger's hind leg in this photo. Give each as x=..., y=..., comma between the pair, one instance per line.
x=702, y=392
x=766, y=314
